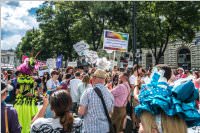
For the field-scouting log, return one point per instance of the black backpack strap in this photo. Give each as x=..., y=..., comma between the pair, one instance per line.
x=98, y=91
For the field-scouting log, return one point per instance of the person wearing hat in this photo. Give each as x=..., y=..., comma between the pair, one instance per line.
x=180, y=73
x=166, y=109
x=91, y=107
x=9, y=116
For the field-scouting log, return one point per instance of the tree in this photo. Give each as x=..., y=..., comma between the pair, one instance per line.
x=62, y=24
x=162, y=22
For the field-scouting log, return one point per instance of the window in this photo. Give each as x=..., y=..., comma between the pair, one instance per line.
x=184, y=58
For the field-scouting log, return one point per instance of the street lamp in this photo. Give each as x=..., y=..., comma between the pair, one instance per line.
x=134, y=31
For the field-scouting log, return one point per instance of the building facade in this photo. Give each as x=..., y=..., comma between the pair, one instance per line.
x=8, y=57
x=177, y=54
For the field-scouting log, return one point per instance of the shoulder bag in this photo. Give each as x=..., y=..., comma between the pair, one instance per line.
x=98, y=92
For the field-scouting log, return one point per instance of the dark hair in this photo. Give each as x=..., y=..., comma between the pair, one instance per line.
x=167, y=69
x=115, y=79
x=197, y=73
x=54, y=72
x=68, y=76
x=61, y=103
x=126, y=75
x=86, y=80
x=136, y=67
x=17, y=73
x=143, y=70
x=3, y=86
x=68, y=68
x=77, y=74
x=48, y=76
x=38, y=80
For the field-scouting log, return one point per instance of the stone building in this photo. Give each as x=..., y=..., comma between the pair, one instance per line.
x=8, y=57
x=177, y=54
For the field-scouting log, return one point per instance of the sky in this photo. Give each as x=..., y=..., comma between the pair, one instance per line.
x=16, y=18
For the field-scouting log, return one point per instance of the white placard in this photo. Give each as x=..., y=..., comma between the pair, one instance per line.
x=116, y=41
x=72, y=64
x=130, y=64
x=80, y=47
x=42, y=70
x=91, y=56
x=51, y=63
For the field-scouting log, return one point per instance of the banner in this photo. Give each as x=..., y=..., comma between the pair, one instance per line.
x=51, y=63
x=115, y=41
x=81, y=48
x=59, y=61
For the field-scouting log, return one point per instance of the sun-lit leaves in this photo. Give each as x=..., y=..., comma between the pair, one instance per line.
x=64, y=23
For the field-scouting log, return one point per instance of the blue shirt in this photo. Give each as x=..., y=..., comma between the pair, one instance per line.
x=95, y=120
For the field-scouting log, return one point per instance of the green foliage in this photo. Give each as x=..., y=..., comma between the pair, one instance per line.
x=63, y=23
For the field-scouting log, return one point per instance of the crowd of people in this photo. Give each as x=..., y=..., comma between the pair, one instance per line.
x=92, y=100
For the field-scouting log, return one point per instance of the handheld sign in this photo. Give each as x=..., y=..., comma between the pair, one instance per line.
x=42, y=70
x=115, y=41
x=72, y=64
x=80, y=47
x=91, y=57
x=51, y=63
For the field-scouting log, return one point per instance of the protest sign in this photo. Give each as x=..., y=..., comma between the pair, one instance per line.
x=116, y=41
x=91, y=56
x=130, y=64
x=51, y=63
x=72, y=64
x=80, y=47
x=42, y=70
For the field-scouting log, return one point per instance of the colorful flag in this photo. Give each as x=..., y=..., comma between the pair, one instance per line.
x=59, y=61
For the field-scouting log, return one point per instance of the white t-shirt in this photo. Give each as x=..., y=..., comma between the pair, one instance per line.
x=73, y=88
x=51, y=84
x=195, y=129
x=52, y=125
x=132, y=79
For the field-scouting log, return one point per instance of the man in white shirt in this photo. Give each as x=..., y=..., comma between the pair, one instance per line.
x=73, y=88
x=136, y=72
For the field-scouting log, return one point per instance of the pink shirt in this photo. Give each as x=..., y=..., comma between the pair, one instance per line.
x=196, y=83
x=120, y=93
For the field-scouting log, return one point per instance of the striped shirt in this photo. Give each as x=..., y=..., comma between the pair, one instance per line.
x=95, y=120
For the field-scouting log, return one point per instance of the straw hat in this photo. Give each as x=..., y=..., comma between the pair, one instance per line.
x=100, y=74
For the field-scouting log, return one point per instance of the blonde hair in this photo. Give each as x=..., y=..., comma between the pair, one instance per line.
x=169, y=124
